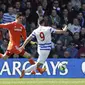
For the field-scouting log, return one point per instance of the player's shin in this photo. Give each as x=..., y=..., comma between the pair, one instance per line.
x=1, y=55
x=27, y=55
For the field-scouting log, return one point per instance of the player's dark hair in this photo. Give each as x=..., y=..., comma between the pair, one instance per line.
x=19, y=15
x=41, y=21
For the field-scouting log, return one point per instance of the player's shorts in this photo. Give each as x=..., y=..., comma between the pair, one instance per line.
x=43, y=55
x=14, y=50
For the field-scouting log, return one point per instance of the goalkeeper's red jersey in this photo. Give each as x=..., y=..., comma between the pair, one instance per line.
x=16, y=31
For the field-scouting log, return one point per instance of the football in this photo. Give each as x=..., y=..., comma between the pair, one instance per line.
x=62, y=67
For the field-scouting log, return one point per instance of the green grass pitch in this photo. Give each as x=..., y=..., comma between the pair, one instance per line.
x=42, y=81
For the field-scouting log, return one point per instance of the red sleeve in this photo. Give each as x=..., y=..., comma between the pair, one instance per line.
x=24, y=33
x=6, y=26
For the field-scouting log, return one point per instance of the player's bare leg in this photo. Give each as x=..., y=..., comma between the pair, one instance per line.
x=27, y=55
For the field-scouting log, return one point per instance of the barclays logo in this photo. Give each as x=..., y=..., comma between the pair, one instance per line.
x=83, y=67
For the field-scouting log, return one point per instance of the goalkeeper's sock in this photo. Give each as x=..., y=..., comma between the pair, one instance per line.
x=1, y=55
x=41, y=70
x=31, y=61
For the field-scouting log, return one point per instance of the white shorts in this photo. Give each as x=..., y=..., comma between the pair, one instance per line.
x=43, y=55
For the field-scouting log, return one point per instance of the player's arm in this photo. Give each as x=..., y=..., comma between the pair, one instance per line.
x=62, y=31
x=26, y=41
x=7, y=25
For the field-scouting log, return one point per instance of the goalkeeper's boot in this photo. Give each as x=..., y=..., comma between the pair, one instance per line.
x=22, y=74
x=42, y=70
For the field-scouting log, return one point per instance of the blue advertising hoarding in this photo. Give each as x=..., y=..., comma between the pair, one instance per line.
x=75, y=68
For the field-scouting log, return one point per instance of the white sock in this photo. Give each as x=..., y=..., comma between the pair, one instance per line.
x=31, y=68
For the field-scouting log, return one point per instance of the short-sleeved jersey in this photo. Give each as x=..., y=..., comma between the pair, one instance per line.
x=43, y=36
x=16, y=31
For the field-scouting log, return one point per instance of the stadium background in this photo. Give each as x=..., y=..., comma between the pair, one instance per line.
x=56, y=13
x=69, y=47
